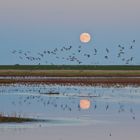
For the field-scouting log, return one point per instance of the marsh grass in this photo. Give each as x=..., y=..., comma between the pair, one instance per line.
x=70, y=73
x=7, y=119
x=70, y=67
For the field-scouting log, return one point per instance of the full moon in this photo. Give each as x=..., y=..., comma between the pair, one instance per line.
x=85, y=37
x=84, y=104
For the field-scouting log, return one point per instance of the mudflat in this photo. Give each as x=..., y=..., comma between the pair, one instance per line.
x=86, y=77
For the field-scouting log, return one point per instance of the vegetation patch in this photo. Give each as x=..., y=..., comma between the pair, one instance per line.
x=70, y=67
x=7, y=119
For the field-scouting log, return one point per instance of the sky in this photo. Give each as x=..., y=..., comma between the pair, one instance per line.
x=36, y=26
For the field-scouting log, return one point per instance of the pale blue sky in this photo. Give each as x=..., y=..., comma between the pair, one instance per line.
x=37, y=25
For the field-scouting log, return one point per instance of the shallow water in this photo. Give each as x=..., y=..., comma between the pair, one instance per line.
x=111, y=108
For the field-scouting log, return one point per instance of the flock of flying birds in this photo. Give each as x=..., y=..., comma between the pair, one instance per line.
x=75, y=55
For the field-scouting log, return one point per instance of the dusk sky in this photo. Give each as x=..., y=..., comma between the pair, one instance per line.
x=38, y=25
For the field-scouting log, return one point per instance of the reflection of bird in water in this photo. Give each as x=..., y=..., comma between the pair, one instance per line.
x=14, y=51
x=95, y=106
x=134, y=41
x=131, y=111
x=88, y=55
x=133, y=117
x=107, y=107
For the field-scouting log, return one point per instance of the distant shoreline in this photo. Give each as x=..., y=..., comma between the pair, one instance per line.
x=71, y=73
x=74, y=74
x=71, y=77
x=69, y=67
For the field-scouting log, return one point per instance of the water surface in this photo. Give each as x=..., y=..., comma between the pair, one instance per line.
x=109, y=107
